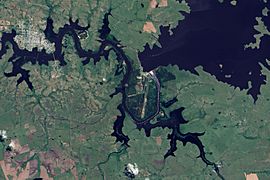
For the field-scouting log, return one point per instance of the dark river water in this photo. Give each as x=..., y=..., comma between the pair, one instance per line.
x=35, y=57
x=213, y=36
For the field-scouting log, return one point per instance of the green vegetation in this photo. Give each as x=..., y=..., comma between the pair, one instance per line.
x=237, y=130
x=142, y=96
x=69, y=116
x=262, y=31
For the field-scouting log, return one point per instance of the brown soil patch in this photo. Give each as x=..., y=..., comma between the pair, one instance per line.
x=153, y=4
x=149, y=27
x=56, y=159
x=144, y=173
x=4, y=24
x=251, y=176
x=74, y=173
x=81, y=138
x=15, y=172
x=15, y=144
x=8, y=170
x=25, y=173
x=17, y=148
x=158, y=140
x=163, y=3
x=33, y=167
x=13, y=168
x=26, y=126
x=30, y=130
x=44, y=173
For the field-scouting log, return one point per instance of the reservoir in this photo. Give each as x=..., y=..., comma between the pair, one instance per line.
x=213, y=36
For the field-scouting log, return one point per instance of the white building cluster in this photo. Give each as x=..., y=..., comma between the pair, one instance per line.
x=29, y=37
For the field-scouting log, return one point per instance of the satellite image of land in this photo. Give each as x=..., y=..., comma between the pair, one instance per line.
x=134, y=89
